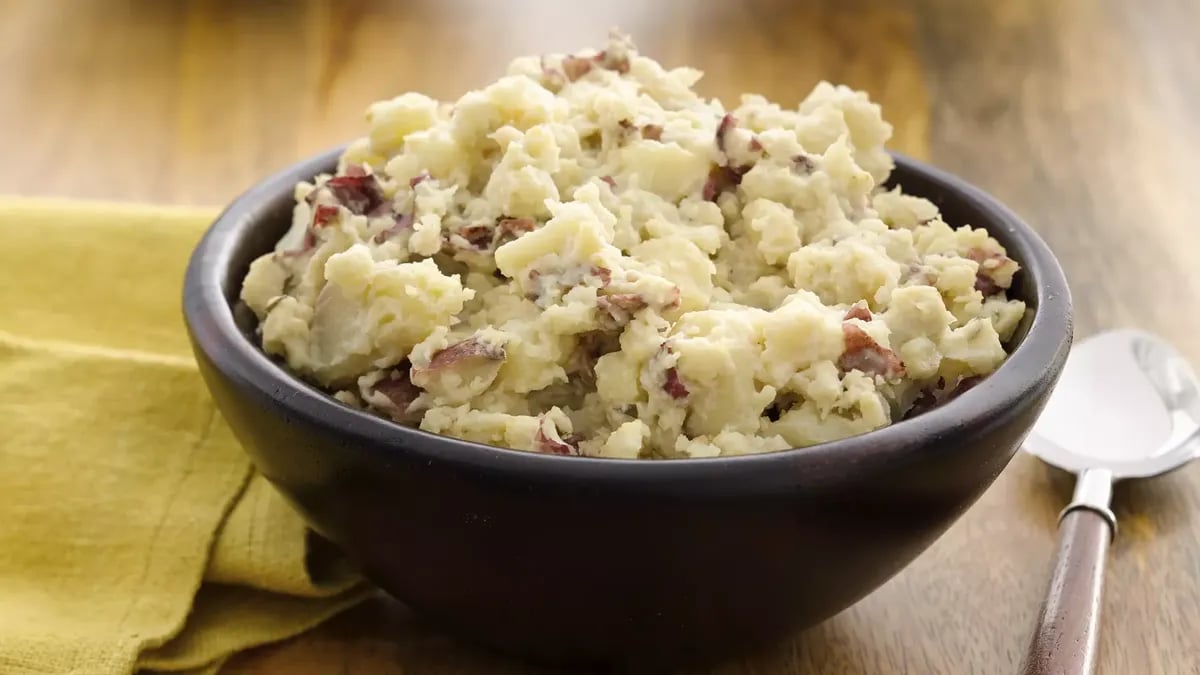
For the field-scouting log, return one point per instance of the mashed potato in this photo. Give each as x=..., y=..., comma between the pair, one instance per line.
x=587, y=258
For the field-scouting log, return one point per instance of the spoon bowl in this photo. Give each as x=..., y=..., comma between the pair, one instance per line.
x=1127, y=403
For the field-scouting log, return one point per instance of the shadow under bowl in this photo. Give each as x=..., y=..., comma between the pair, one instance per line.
x=593, y=561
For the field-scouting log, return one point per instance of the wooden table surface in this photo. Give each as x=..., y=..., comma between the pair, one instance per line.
x=1080, y=114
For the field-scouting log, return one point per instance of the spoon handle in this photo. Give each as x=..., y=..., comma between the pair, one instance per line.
x=1064, y=642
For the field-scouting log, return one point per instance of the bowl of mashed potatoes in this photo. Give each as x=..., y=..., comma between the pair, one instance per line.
x=593, y=369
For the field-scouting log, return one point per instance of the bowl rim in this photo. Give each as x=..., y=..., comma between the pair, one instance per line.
x=1032, y=366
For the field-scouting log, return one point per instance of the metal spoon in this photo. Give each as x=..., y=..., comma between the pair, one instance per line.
x=1127, y=406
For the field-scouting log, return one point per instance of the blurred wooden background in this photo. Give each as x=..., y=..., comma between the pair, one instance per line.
x=1080, y=114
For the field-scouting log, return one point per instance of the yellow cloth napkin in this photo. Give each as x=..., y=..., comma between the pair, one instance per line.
x=134, y=533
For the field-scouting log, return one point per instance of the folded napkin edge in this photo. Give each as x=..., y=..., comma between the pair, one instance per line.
x=96, y=351
x=10, y=202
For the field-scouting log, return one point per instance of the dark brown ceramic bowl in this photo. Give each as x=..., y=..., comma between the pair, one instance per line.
x=584, y=560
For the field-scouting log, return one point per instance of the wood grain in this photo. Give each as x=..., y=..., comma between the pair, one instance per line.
x=1080, y=114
